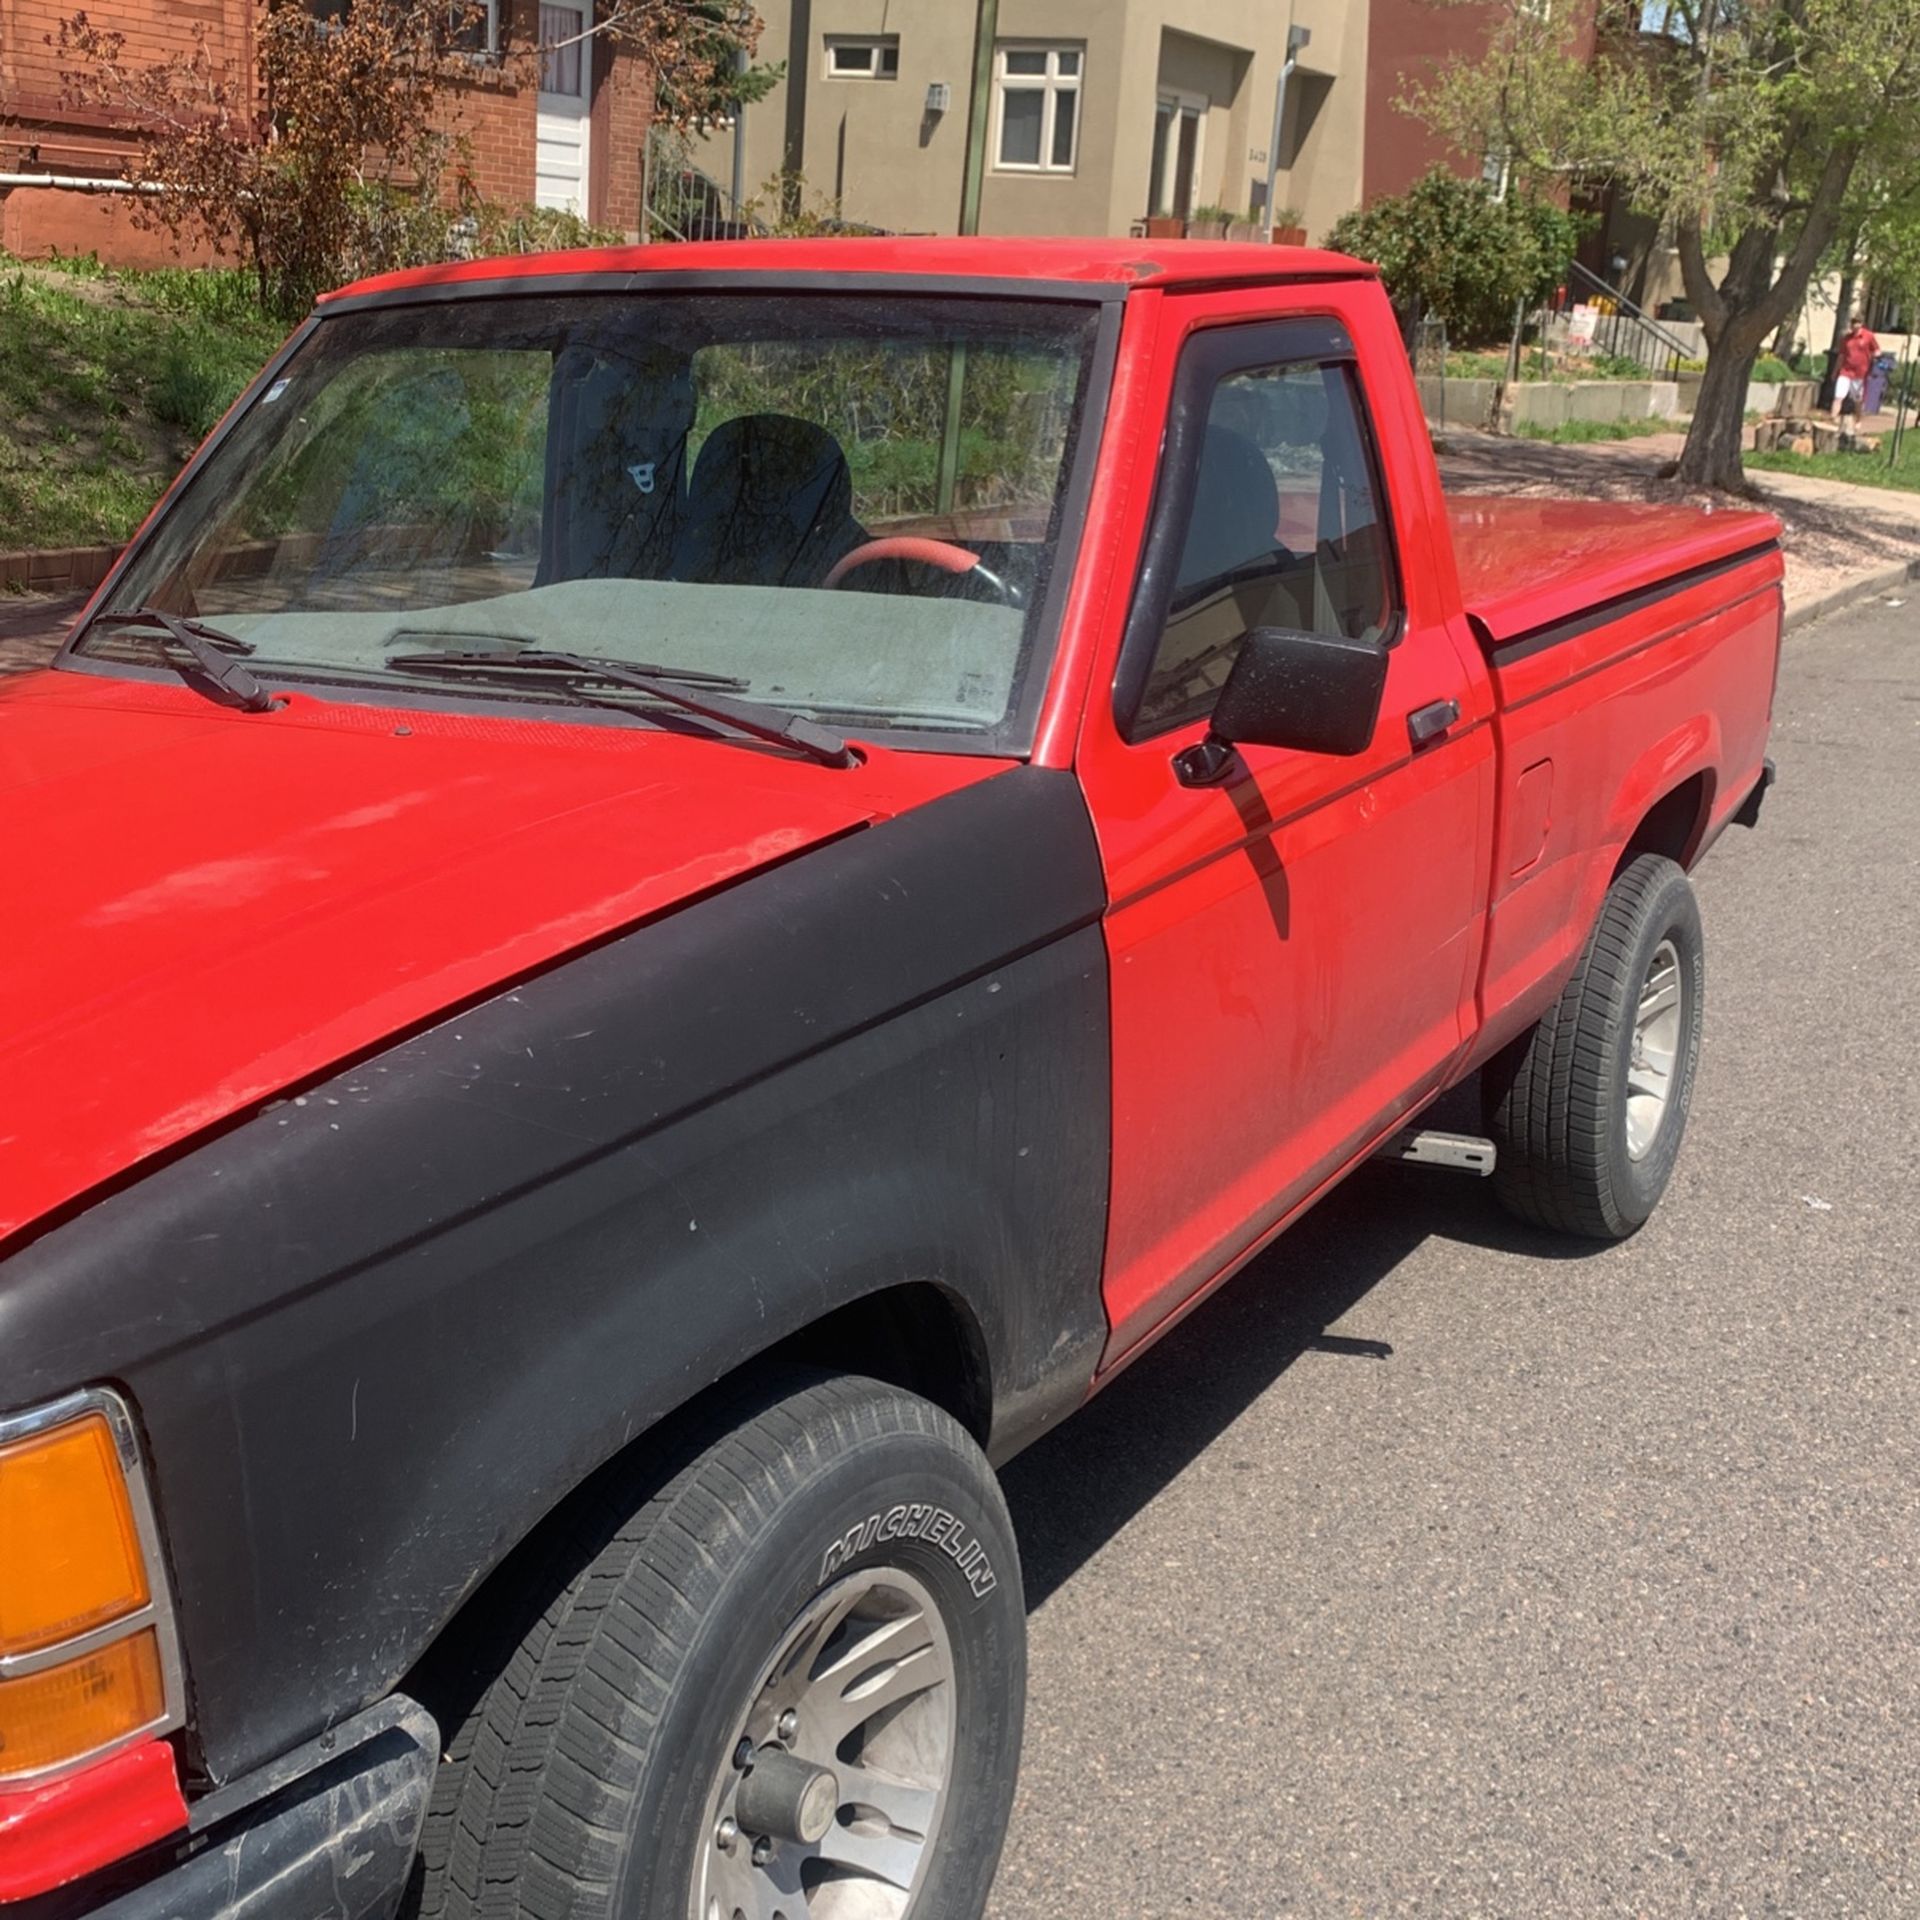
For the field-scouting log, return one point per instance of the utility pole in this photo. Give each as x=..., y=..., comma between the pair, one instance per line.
x=739, y=136
x=1297, y=37
x=986, y=29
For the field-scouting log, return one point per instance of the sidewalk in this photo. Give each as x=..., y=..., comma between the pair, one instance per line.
x=32, y=625
x=1840, y=542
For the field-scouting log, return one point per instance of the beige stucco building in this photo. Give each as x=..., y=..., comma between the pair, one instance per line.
x=1100, y=112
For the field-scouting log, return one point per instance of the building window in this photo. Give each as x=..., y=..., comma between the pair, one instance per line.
x=476, y=28
x=876, y=57
x=1036, y=108
x=473, y=26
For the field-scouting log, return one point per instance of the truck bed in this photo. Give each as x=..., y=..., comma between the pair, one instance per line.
x=1526, y=564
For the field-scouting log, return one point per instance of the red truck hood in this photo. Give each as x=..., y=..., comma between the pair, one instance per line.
x=1526, y=563
x=204, y=907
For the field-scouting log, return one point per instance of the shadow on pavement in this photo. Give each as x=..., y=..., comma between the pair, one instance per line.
x=32, y=627
x=1077, y=1487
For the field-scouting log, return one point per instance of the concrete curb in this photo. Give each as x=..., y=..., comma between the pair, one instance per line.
x=1865, y=588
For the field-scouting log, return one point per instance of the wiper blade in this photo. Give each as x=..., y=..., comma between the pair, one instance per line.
x=212, y=666
x=775, y=725
x=507, y=646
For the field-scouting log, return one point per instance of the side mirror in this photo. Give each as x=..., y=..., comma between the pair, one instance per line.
x=1314, y=692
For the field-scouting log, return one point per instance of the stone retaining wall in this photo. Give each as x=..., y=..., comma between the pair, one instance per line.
x=1546, y=404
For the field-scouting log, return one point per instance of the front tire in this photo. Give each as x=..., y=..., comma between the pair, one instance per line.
x=1587, y=1111
x=790, y=1684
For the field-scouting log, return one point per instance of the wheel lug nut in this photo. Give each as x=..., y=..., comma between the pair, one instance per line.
x=725, y=1834
x=789, y=1725
x=743, y=1756
x=762, y=1852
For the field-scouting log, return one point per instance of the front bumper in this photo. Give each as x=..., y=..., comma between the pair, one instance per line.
x=327, y=1832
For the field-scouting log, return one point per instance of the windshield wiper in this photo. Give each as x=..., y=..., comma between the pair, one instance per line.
x=513, y=646
x=212, y=666
x=775, y=725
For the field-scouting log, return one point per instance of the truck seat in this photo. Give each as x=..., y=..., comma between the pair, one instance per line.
x=771, y=504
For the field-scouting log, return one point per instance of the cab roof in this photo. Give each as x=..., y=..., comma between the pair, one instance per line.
x=1094, y=268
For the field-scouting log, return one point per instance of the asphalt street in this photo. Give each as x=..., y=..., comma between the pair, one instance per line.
x=1437, y=1567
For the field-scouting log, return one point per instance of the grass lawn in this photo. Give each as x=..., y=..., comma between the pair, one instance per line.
x=1580, y=433
x=107, y=382
x=1856, y=469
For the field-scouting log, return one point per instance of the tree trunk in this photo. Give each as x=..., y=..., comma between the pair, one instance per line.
x=1711, y=457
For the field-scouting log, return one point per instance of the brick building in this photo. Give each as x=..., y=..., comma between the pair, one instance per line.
x=550, y=120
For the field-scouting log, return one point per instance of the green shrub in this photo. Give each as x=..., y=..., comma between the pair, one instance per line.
x=1449, y=247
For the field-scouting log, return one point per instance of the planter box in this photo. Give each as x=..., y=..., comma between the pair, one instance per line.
x=1289, y=236
x=1164, y=226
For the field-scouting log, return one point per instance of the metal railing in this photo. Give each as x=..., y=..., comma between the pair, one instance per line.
x=1620, y=328
x=680, y=200
x=684, y=202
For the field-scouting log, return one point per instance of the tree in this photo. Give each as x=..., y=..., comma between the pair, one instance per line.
x=1744, y=125
x=331, y=155
x=701, y=52
x=333, y=137
x=1447, y=247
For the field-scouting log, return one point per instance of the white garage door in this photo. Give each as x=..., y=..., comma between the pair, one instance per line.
x=562, y=126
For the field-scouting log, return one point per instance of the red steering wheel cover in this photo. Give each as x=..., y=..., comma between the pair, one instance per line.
x=904, y=546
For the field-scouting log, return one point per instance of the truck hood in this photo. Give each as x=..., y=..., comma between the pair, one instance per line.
x=1527, y=564
x=207, y=908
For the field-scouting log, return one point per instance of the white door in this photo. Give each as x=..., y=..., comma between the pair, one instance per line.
x=561, y=126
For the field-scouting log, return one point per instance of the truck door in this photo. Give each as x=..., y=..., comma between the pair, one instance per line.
x=1292, y=949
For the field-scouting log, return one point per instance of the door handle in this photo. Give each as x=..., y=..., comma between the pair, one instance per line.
x=1426, y=724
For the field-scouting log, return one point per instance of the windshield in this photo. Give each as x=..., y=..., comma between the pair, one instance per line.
x=847, y=506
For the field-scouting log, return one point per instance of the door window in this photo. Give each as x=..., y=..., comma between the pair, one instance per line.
x=563, y=67
x=1283, y=527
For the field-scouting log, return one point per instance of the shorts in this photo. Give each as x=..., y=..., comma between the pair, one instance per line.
x=1847, y=391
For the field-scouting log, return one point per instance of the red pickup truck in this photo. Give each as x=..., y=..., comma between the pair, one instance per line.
x=675, y=898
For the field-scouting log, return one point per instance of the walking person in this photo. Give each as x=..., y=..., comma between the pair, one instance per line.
x=1857, y=349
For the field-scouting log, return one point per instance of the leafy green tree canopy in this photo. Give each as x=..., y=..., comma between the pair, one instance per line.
x=1741, y=124
x=1449, y=248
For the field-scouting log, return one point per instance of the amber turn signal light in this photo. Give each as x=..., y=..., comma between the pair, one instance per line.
x=70, y=1556
x=80, y=1706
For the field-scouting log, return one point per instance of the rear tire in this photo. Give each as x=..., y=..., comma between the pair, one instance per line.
x=1588, y=1110
x=830, y=1587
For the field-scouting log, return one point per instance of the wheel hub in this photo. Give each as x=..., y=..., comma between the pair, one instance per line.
x=829, y=1797
x=784, y=1798
x=1655, y=1053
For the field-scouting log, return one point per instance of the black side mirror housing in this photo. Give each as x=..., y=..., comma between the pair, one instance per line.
x=1313, y=692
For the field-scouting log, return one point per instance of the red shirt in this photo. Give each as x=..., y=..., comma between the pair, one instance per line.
x=1856, y=354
